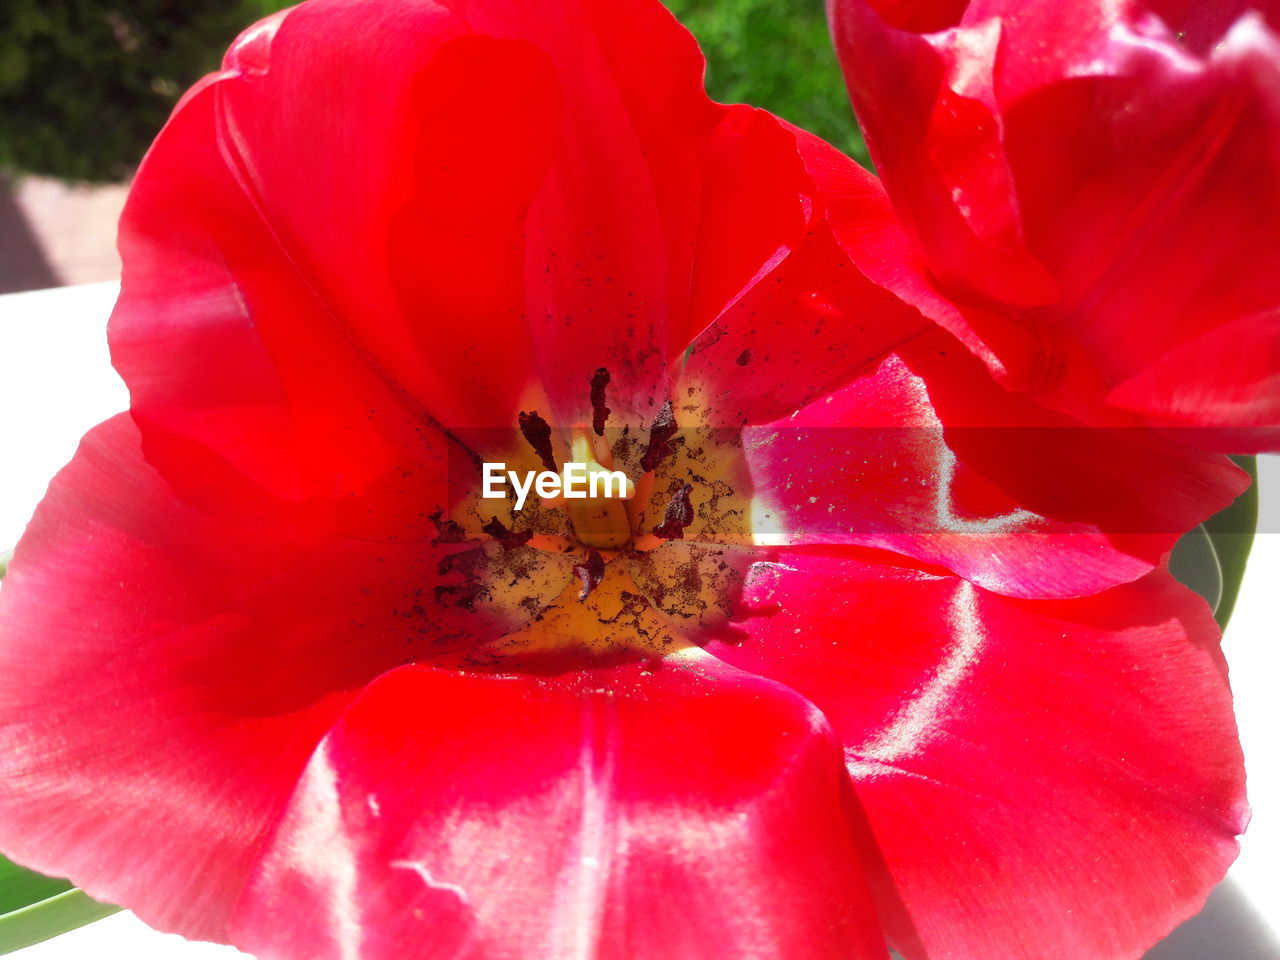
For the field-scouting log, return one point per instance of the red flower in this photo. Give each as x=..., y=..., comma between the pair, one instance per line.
x=273, y=672
x=1095, y=188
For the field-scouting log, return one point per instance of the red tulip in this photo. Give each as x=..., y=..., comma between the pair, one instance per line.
x=274, y=672
x=1094, y=190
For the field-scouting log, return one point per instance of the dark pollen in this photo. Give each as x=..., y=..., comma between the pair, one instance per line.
x=447, y=531
x=538, y=432
x=590, y=572
x=663, y=429
x=508, y=538
x=599, y=412
x=678, y=516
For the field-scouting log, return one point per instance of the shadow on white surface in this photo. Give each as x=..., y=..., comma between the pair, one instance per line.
x=1228, y=928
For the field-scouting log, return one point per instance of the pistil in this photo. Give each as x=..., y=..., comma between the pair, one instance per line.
x=599, y=522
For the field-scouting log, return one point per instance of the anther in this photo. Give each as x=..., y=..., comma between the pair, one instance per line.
x=538, y=433
x=660, y=433
x=508, y=538
x=679, y=514
x=599, y=412
x=590, y=572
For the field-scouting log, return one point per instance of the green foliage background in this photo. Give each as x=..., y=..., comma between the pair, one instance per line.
x=86, y=84
x=775, y=54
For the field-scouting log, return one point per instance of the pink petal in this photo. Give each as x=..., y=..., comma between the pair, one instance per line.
x=164, y=677
x=1058, y=168
x=673, y=810
x=1060, y=780
x=930, y=459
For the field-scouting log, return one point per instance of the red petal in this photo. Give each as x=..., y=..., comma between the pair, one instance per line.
x=924, y=105
x=1059, y=167
x=250, y=397
x=1062, y=778
x=674, y=810
x=164, y=677
x=1230, y=374
x=920, y=15
x=871, y=234
x=930, y=459
x=1162, y=154
x=1129, y=483
x=543, y=197
x=1199, y=26
x=813, y=326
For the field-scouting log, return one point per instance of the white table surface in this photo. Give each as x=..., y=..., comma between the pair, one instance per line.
x=56, y=382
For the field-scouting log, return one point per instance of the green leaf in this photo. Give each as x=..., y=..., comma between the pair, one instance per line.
x=48, y=916
x=1232, y=533
x=20, y=887
x=1194, y=562
x=35, y=907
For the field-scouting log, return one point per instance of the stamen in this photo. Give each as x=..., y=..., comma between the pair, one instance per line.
x=508, y=538
x=599, y=412
x=600, y=521
x=538, y=432
x=679, y=514
x=590, y=572
x=663, y=429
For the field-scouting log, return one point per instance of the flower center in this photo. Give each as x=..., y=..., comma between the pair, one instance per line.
x=602, y=522
x=645, y=553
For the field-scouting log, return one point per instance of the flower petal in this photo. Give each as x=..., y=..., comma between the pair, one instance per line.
x=669, y=810
x=1163, y=154
x=1116, y=487
x=930, y=459
x=541, y=197
x=165, y=675
x=1227, y=375
x=1063, y=778
x=249, y=395
x=1058, y=169
x=815, y=324
x=923, y=101
x=1199, y=26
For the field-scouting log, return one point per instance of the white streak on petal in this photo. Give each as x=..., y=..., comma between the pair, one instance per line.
x=421, y=870
x=921, y=718
x=944, y=508
x=321, y=849
x=585, y=883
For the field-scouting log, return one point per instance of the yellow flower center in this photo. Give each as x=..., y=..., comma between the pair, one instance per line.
x=646, y=567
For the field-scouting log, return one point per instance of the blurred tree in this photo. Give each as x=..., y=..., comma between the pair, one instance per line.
x=86, y=84
x=775, y=54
